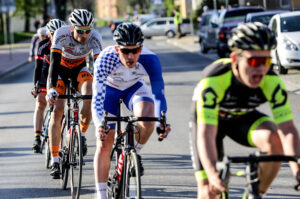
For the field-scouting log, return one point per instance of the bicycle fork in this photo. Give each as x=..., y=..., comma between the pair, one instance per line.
x=252, y=190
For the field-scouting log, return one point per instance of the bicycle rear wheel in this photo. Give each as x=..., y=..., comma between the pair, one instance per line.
x=131, y=177
x=76, y=161
x=113, y=185
x=64, y=154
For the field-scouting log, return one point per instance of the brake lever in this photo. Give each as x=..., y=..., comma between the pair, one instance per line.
x=164, y=124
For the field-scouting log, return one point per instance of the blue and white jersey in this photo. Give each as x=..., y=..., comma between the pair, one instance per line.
x=108, y=70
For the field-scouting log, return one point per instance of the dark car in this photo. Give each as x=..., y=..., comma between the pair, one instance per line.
x=113, y=24
x=207, y=32
x=263, y=17
x=229, y=19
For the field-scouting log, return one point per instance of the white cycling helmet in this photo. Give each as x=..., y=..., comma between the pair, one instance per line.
x=81, y=17
x=54, y=24
x=42, y=31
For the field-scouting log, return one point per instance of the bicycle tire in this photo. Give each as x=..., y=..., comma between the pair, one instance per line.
x=64, y=155
x=113, y=185
x=76, y=161
x=47, y=154
x=44, y=133
x=131, y=184
x=45, y=142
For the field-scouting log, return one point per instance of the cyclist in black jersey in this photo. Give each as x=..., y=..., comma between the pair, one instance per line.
x=225, y=102
x=39, y=90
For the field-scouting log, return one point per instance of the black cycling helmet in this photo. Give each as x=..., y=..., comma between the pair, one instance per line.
x=128, y=34
x=252, y=36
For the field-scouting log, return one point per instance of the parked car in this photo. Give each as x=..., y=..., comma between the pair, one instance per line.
x=207, y=32
x=164, y=26
x=229, y=19
x=287, y=29
x=143, y=18
x=263, y=17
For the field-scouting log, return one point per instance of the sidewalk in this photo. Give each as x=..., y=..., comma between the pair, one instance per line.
x=13, y=56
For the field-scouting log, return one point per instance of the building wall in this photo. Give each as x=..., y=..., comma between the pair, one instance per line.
x=107, y=9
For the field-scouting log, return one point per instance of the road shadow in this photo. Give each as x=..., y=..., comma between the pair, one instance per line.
x=14, y=152
x=15, y=113
x=39, y=193
x=17, y=127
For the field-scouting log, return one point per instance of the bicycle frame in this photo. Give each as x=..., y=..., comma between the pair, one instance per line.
x=251, y=174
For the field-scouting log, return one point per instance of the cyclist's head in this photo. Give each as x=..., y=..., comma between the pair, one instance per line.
x=129, y=38
x=251, y=44
x=82, y=22
x=42, y=33
x=81, y=17
x=252, y=36
x=128, y=34
x=54, y=24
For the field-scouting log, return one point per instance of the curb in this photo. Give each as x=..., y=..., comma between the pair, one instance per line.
x=13, y=68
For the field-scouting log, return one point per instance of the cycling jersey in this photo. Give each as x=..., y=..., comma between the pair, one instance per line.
x=68, y=53
x=220, y=94
x=109, y=71
x=42, y=62
x=73, y=53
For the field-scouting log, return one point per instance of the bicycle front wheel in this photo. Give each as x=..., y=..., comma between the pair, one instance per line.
x=45, y=141
x=76, y=161
x=64, y=154
x=131, y=185
x=113, y=184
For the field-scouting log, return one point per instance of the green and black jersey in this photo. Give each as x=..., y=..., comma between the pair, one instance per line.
x=219, y=95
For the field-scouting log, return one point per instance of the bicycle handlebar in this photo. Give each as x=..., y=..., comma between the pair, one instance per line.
x=75, y=96
x=224, y=165
x=132, y=119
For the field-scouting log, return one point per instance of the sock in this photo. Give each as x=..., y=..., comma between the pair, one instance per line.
x=101, y=190
x=54, y=154
x=83, y=127
x=37, y=133
x=54, y=160
x=138, y=147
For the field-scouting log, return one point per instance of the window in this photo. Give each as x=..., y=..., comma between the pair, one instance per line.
x=290, y=24
x=157, y=23
x=285, y=3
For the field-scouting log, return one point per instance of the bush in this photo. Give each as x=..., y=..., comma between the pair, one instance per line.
x=18, y=36
x=102, y=23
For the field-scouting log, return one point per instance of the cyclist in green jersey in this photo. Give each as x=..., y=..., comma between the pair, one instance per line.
x=225, y=103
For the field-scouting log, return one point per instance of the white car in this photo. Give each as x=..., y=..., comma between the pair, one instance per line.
x=164, y=26
x=287, y=53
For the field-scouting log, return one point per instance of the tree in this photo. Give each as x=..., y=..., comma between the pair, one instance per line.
x=169, y=5
x=142, y=6
x=28, y=9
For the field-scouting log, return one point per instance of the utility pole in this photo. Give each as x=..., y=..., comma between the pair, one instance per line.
x=215, y=4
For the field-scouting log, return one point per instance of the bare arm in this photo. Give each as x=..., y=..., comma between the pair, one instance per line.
x=291, y=144
x=207, y=150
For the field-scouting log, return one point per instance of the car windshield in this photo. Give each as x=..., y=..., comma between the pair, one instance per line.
x=263, y=19
x=290, y=24
x=234, y=17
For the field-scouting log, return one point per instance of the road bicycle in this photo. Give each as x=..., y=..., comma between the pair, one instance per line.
x=71, y=152
x=124, y=179
x=45, y=145
x=252, y=162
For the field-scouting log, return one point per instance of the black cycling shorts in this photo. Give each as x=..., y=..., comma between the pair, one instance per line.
x=238, y=129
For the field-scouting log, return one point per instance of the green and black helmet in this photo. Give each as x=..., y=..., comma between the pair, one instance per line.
x=252, y=36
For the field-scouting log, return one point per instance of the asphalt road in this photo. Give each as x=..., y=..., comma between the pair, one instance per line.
x=168, y=168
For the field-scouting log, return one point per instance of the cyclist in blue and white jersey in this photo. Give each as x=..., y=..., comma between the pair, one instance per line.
x=118, y=74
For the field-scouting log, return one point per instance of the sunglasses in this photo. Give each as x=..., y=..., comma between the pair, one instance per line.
x=126, y=51
x=258, y=61
x=81, y=31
